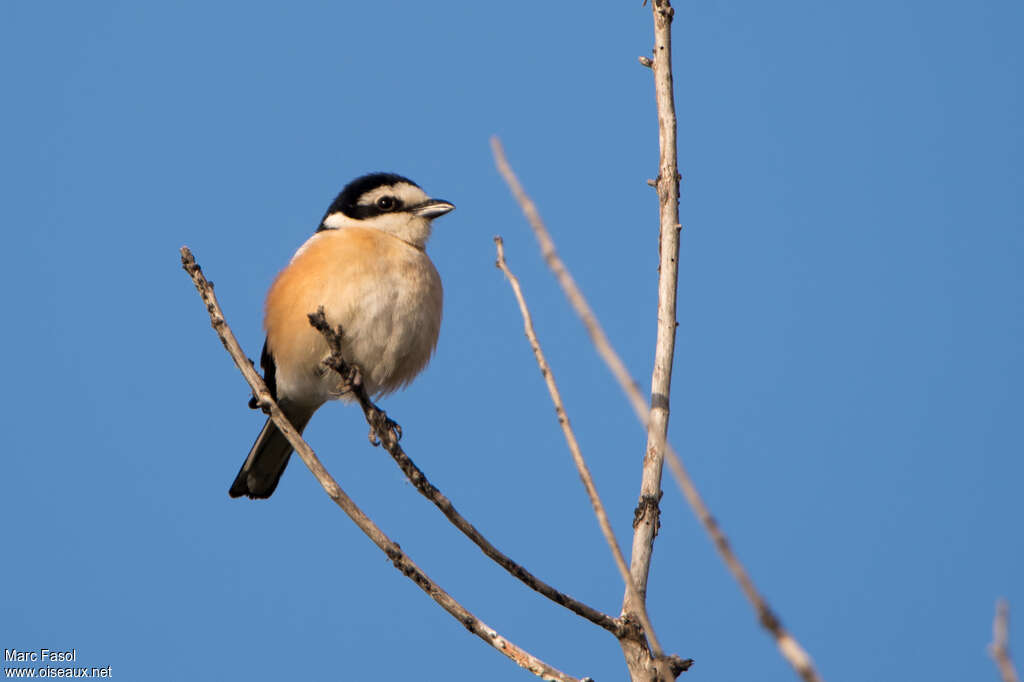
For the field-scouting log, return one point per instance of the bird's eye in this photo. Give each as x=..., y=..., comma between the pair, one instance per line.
x=386, y=203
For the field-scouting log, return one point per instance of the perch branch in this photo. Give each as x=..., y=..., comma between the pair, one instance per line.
x=574, y=447
x=1000, y=647
x=788, y=646
x=387, y=433
x=394, y=553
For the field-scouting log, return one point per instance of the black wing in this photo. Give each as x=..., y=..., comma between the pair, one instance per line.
x=269, y=375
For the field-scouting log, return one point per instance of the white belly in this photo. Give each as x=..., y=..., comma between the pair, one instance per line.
x=391, y=329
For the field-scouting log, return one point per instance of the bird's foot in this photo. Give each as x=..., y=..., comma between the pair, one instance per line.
x=384, y=424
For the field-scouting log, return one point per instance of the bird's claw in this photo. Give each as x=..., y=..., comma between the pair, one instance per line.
x=383, y=423
x=394, y=427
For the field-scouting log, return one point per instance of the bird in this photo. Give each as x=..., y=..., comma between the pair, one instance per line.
x=366, y=265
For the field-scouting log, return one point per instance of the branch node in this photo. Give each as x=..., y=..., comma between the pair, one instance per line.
x=769, y=621
x=646, y=61
x=630, y=628
x=677, y=664
x=648, y=504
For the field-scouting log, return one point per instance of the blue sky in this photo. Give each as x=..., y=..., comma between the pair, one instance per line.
x=848, y=381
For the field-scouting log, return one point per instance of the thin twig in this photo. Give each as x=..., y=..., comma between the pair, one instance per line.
x=400, y=560
x=574, y=448
x=387, y=433
x=1000, y=647
x=788, y=646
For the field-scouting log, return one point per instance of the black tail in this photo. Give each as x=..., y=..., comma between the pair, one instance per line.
x=267, y=459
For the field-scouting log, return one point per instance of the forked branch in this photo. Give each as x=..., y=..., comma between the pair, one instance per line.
x=581, y=464
x=788, y=646
x=394, y=553
x=386, y=433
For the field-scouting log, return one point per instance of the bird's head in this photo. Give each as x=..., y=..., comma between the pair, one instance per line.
x=389, y=203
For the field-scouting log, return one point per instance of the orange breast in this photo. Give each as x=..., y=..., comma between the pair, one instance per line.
x=384, y=293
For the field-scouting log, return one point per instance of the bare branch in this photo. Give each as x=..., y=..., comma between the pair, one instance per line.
x=386, y=433
x=574, y=448
x=647, y=518
x=1000, y=647
x=400, y=560
x=788, y=646
x=572, y=292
